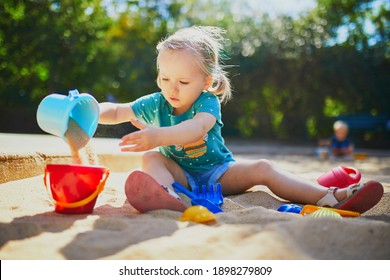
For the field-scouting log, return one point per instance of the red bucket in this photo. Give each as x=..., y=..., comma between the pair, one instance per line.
x=75, y=188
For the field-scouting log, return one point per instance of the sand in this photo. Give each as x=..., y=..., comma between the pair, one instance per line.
x=81, y=148
x=250, y=227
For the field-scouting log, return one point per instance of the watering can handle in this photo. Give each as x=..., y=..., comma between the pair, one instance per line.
x=82, y=202
x=73, y=93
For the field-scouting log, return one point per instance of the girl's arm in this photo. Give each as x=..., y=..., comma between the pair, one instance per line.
x=149, y=137
x=114, y=113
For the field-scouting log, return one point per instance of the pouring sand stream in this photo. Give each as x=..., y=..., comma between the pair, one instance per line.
x=80, y=145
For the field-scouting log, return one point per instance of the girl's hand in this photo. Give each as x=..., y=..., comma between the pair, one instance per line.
x=145, y=139
x=149, y=137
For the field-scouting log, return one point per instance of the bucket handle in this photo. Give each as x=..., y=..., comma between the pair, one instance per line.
x=82, y=202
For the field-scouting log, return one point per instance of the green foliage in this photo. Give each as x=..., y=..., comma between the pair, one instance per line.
x=133, y=39
x=49, y=46
x=303, y=76
x=333, y=108
x=290, y=75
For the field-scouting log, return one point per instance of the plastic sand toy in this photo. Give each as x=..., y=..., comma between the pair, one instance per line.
x=197, y=214
x=74, y=188
x=196, y=200
x=211, y=192
x=56, y=111
x=308, y=209
x=325, y=213
x=290, y=208
x=340, y=177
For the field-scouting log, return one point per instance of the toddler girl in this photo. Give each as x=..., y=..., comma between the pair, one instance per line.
x=184, y=121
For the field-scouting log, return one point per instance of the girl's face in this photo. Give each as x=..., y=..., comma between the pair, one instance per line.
x=181, y=79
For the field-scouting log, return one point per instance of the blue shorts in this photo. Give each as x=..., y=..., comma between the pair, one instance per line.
x=207, y=177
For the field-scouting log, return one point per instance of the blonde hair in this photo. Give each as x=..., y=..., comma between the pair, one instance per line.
x=206, y=42
x=340, y=125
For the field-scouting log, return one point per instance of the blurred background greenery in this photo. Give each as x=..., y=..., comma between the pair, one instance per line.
x=293, y=73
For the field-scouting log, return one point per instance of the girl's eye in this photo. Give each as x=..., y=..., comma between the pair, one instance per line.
x=184, y=83
x=165, y=79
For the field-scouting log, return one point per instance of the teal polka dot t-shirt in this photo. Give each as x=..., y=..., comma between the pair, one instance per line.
x=204, y=154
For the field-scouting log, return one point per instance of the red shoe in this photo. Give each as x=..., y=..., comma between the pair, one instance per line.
x=145, y=194
x=360, y=197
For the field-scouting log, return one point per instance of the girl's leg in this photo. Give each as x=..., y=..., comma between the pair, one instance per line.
x=244, y=175
x=152, y=189
x=163, y=169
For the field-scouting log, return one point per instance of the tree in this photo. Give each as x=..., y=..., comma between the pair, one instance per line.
x=290, y=76
x=49, y=46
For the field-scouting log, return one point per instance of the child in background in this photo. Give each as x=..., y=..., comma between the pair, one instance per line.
x=339, y=147
x=184, y=121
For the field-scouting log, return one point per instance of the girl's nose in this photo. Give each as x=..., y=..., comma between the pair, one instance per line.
x=173, y=88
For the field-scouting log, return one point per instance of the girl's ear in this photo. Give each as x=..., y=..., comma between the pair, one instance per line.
x=209, y=81
x=158, y=81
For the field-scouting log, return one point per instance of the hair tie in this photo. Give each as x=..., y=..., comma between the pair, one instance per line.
x=217, y=70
